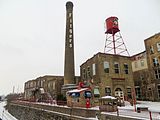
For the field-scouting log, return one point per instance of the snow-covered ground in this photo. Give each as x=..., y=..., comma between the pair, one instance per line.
x=4, y=115
x=128, y=110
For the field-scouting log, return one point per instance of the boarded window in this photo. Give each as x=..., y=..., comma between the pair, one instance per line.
x=94, y=68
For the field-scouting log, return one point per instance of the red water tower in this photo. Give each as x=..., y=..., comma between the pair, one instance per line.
x=114, y=43
x=112, y=25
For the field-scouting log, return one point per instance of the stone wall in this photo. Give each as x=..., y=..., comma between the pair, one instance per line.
x=32, y=111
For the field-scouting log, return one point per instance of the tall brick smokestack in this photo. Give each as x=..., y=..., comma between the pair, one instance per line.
x=69, y=71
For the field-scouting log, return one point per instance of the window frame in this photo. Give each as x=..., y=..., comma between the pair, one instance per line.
x=116, y=68
x=106, y=66
x=126, y=68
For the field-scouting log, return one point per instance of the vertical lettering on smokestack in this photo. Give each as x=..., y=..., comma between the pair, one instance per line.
x=69, y=72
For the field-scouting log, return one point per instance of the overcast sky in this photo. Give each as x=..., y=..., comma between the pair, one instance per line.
x=32, y=34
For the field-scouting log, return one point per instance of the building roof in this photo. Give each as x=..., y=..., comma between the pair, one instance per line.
x=46, y=76
x=105, y=54
x=157, y=34
x=138, y=54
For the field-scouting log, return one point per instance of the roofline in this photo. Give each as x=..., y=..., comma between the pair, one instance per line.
x=152, y=36
x=104, y=54
x=43, y=77
x=138, y=54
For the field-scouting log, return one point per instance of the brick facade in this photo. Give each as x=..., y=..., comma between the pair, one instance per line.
x=140, y=75
x=50, y=84
x=112, y=74
x=152, y=46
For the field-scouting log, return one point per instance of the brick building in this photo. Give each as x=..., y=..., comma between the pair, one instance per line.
x=110, y=74
x=50, y=84
x=140, y=75
x=152, y=45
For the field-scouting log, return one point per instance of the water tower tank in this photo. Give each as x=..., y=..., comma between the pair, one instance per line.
x=112, y=25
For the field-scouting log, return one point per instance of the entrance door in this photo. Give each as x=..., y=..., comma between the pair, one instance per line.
x=119, y=93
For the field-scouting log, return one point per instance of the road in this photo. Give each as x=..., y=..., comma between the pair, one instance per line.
x=4, y=115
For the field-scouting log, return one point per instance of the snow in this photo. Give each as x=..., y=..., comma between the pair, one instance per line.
x=152, y=106
x=124, y=111
x=4, y=114
x=77, y=90
x=129, y=111
x=108, y=97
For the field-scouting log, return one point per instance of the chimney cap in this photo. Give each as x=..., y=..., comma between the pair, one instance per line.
x=69, y=4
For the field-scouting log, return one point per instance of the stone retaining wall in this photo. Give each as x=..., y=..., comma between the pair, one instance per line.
x=33, y=111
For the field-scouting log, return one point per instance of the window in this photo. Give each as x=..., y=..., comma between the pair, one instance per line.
x=126, y=68
x=106, y=67
x=38, y=83
x=116, y=67
x=96, y=92
x=88, y=72
x=42, y=83
x=158, y=90
x=135, y=65
x=158, y=46
x=70, y=20
x=142, y=77
x=31, y=84
x=84, y=73
x=74, y=94
x=108, y=91
x=157, y=73
x=129, y=92
x=155, y=62
x=94, y=68
x=138, y=92
x=87, y=94
x=142, y=63
x=70, y=25
x=49, y=85
x=151, y=50
x=54, y=84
